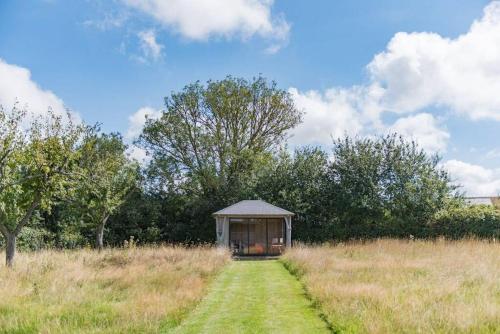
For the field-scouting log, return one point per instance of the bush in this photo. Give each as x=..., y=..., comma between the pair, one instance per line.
x=479, y=221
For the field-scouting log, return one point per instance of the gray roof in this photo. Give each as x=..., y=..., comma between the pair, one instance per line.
x=253, y=208
x=480, y=200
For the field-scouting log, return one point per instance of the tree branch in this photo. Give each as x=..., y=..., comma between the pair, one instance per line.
x=4, y=230
x=28, y=214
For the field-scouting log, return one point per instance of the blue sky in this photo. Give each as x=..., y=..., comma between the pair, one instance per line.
x=421, y=68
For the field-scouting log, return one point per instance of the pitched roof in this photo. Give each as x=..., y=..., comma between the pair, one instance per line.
x=482, y=200
x=253, y=208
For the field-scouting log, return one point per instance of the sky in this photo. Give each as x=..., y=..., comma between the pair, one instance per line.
x=429, y=70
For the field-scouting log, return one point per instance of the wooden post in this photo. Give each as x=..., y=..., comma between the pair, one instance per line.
x=288, y=222
x=219, y=230
x=226, y=232
x=222, y=230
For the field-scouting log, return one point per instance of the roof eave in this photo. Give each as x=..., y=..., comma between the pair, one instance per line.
x=253, y=215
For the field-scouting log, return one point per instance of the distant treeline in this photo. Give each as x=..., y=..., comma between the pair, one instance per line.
x=218, y=143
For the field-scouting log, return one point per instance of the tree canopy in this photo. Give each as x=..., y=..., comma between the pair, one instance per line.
x=64, y=183
x=37, y=166
x=213, y=136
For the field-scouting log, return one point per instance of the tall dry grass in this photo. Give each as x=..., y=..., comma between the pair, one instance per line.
x=391, y=286
x=138, y=290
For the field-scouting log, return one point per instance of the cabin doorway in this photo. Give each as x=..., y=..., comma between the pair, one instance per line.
x=257, y=236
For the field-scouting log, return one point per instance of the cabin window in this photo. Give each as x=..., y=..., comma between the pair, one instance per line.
x=256, y=236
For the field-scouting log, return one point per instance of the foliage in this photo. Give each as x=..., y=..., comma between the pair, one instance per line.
x=107, y=178
x=459, y=221
x=208, y=145
x=384, y=187
x=37, y=167
x=298, y=183
x=216, y=144
x=215, y=134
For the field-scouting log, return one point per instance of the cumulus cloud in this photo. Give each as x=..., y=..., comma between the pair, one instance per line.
x=424, y=129
x=201, y=20
x=418, y=70
x=150, y=47
x=340, y=112
x=136, y=123
x=476, y=180
x=137, y=120
x=16, y=85
x=335, y=113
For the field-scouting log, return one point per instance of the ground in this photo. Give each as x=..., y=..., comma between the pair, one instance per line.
x=255, y=297
x=403, y=286
x=384, y=286
x=139, y=290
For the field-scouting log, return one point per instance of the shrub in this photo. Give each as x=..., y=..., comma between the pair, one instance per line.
x=479, y=221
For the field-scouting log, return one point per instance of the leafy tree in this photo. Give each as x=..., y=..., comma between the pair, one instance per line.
x=209, y=142
x=36, y=167
x=138, y=217
x=384, y=186
x=297, y=182
x=108, y=176
x=213, y=134
x=465, y=221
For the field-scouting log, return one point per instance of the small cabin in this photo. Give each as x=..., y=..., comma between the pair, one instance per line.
x=484, y=200
x=254, y=227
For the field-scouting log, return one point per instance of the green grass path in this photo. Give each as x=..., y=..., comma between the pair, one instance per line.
x=254, y=297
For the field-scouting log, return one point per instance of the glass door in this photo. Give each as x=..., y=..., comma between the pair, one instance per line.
x=238, y=237
x=256, y=236
x=257, y=244
x=275, y=236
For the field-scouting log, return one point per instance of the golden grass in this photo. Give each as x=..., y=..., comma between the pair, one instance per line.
x=391, y=286
x=137, y=290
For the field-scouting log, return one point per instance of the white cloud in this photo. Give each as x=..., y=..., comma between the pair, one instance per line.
x=150, y=47
x=476, y=180
x=335, y=113
x=340, y=112
x=138, y=154
x=16, y=85
x=137, y=120
x=418, y=70
x=108, y=21
x=136, y=123
x=493, y=154
x=200, y=20
x=424, y=129
x=415, y=72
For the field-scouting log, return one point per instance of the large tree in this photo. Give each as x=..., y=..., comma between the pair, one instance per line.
x=108, y=177
x=385, y=186
x=214, y=135
x=297, y=182
x=38, y=160
x=207, y=146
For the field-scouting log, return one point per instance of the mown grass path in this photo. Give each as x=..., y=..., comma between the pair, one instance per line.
x=254, y=297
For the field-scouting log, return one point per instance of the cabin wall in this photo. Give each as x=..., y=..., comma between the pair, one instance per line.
x=223, y=231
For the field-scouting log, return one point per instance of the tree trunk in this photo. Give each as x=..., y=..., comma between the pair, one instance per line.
x=10, y=250
x=10, y=237
x=99, y=244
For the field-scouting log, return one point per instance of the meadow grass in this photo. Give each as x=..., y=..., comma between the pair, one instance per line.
x=254, y=297
x=395, y=286
x=138, y=290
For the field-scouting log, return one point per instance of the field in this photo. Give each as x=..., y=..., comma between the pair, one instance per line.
x=141, y=290
x=254, y=297
x=385, y=286
x=391, y=286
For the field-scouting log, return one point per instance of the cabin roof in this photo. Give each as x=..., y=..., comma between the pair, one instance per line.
x=253, y=208
x=481, y=200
